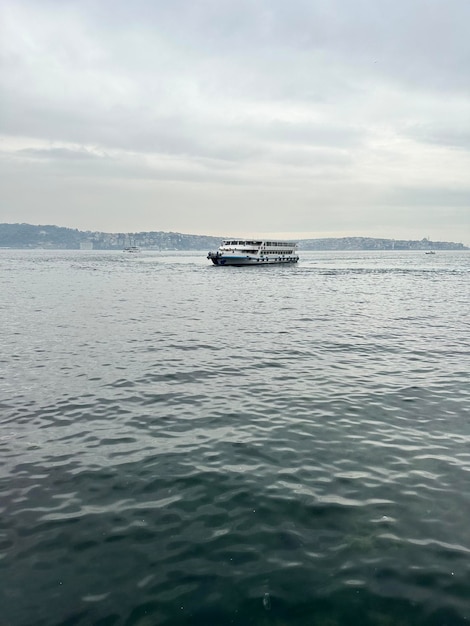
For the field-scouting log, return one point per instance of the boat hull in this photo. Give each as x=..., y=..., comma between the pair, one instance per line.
x=242, y=260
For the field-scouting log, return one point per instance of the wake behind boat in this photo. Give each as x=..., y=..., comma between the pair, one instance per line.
x=254, y=252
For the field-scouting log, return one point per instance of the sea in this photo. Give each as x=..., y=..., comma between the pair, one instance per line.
x=189, y=445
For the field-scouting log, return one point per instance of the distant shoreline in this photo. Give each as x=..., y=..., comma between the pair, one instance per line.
x=29, y=236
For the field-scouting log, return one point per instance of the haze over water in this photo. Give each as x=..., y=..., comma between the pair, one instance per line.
x=183, y=444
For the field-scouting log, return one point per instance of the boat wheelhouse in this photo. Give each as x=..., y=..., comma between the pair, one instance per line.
x=254, y=252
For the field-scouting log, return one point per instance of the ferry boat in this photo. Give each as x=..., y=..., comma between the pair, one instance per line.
x=132, y=250
x=254, y=252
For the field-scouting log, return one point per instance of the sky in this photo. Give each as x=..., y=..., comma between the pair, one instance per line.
x=300, y=118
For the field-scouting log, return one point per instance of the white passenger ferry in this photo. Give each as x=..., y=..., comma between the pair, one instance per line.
x=254, y=252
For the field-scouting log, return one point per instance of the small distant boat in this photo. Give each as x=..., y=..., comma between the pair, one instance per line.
x=251, y=252
x=132, y=249
x=430, y=252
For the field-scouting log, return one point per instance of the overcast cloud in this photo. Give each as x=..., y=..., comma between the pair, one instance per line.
x=306, y=118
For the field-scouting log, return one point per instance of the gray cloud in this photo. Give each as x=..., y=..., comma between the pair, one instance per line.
x=330, y=108
x=431, y=197
x=57, y=154
x=457, y=136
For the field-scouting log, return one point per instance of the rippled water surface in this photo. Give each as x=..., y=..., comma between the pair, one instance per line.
x=182, y=444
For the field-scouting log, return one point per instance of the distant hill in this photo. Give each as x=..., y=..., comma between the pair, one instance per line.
x=370, y=243
x=57, y=237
